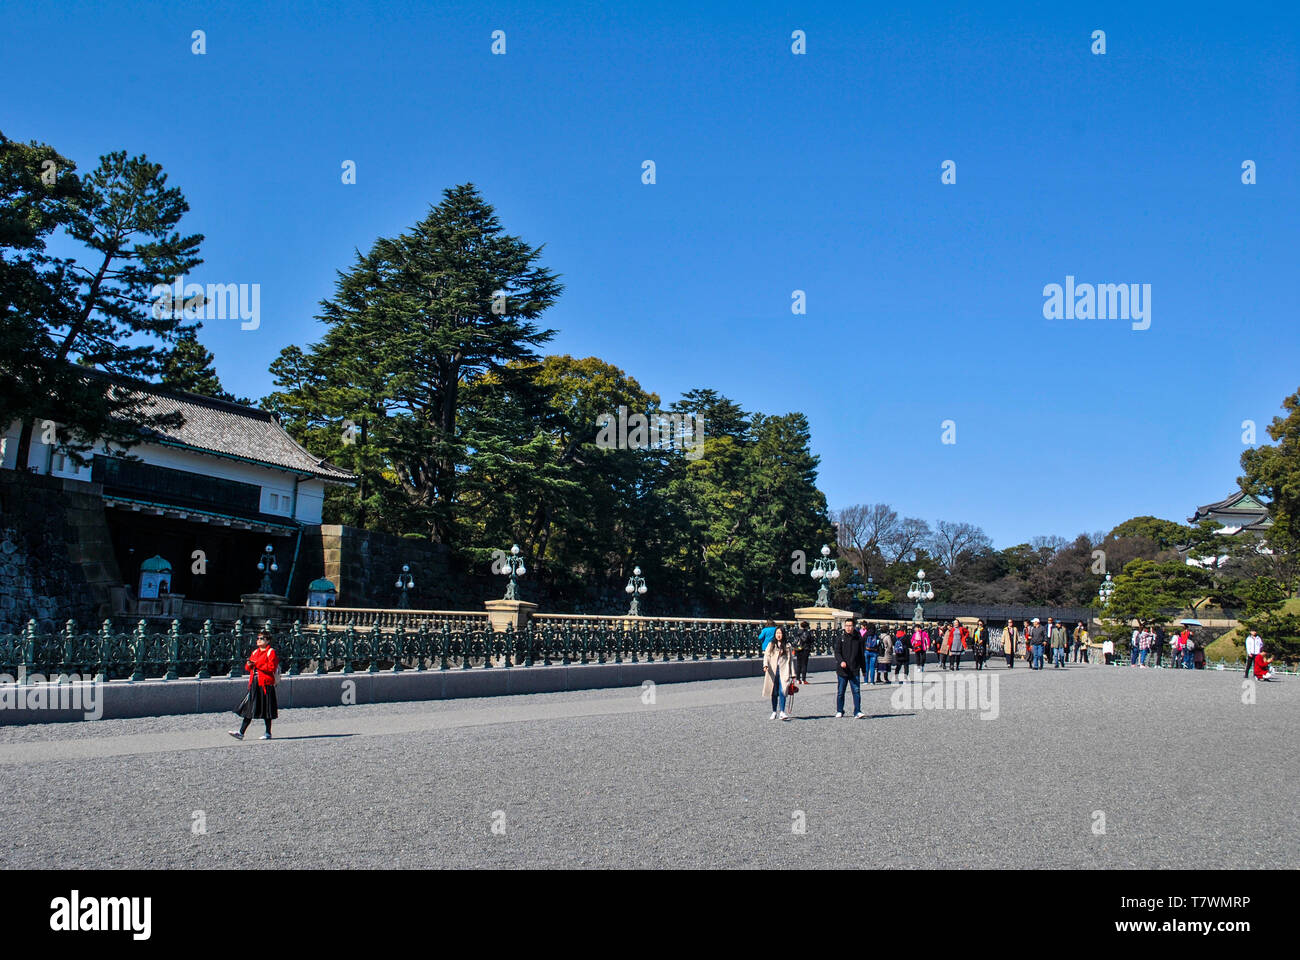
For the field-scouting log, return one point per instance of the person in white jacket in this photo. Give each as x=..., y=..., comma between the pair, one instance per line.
x=1254, y=647
x=1108, y=651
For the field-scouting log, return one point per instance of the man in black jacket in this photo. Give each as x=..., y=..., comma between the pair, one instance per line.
x=849, y=662
x=803, y=641
x=1038, y=638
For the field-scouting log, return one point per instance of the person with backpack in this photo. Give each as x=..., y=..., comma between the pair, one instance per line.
x=902, y=655
x=884, y=654
x=803, y=641
x=1189, y=648
x=263, y=669
x=870, y=652
x=848, y=664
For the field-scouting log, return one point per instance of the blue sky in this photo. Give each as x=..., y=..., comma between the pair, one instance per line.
x=775, y=172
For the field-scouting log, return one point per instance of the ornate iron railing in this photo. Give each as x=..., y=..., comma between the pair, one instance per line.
x=321, y=648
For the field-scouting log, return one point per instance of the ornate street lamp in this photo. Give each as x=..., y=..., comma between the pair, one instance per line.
x=405, y=582
x=514, y=566
x=920, y=590
x=824, y=571
x=1105, y=590
x=266, y=563
x=636, y=587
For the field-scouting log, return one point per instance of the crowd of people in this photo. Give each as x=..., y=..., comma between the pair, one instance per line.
x=869, y=653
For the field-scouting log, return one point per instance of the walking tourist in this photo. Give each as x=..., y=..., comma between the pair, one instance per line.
x=1009, y=643
x=1159, y=645
x=803, y=641
x=1254, y=647
x=1135, y=644
x=1059, y=642
x=1026, y=641
x=1076, y=643
x=778, y=672
x=1189, y=646
x=956, y=643
x=1146, y=639
x=848, y=664
x=902, y=655
x=945, y=644
x=870, y=653
x=1038, y=638
x=980, y=644
x=1108, y=651
x=1198, y=656
x=920, y=645
x=884, y=655
x=263, y=669
x=1084, y=643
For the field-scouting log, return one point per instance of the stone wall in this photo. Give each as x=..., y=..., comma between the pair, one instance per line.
x=364, y=565
x=56, y=558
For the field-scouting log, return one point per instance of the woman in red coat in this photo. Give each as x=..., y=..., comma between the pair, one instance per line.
x=259, y=703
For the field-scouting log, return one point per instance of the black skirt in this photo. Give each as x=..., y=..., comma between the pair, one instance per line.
x=258, y=704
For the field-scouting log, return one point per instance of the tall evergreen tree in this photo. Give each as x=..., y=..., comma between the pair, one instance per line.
x=412, y=326
x=101, y=313
x=189, y=366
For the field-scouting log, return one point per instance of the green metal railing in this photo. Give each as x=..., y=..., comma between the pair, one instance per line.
x=108, y=654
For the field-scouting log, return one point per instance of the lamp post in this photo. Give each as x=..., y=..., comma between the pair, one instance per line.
x=266, y=563
x=636, y=587
x=824, y=571
x=514, y=566
x=871, y=593
x=405, y=582
x=1105, y=590
x=920, y=590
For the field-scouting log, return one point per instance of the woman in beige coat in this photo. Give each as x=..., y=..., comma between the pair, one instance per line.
x=778, y=671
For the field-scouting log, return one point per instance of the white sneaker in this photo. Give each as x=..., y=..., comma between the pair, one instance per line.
x=265, y=736
x=840, y=714
x=773, y=716
x=859, y=716
x=236, y=734
x=784, y=716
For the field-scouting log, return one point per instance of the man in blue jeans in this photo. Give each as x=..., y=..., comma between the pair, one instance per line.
x=1037, y=640
x=849, y=662
x=870, y=651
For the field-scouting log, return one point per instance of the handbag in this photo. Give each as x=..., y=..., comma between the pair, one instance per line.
x=791, y=689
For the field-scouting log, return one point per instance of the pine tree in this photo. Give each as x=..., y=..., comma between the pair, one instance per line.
x=101, y=314
x=189, y=366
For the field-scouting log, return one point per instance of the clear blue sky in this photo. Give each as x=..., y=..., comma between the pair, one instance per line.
x=775, y=172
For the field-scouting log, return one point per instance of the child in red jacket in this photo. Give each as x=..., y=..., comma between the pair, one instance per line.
x=259, y=703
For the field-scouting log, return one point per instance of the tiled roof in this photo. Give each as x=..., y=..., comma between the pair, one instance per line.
x=226, y=429
x=1227, y=506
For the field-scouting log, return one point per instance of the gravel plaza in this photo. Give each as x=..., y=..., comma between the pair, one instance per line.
x=1087, y=767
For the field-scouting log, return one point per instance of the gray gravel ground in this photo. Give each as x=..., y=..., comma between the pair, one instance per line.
x=1185, y=774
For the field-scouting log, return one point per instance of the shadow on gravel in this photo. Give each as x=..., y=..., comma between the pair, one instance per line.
x=315, y=736
x=870, y=716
